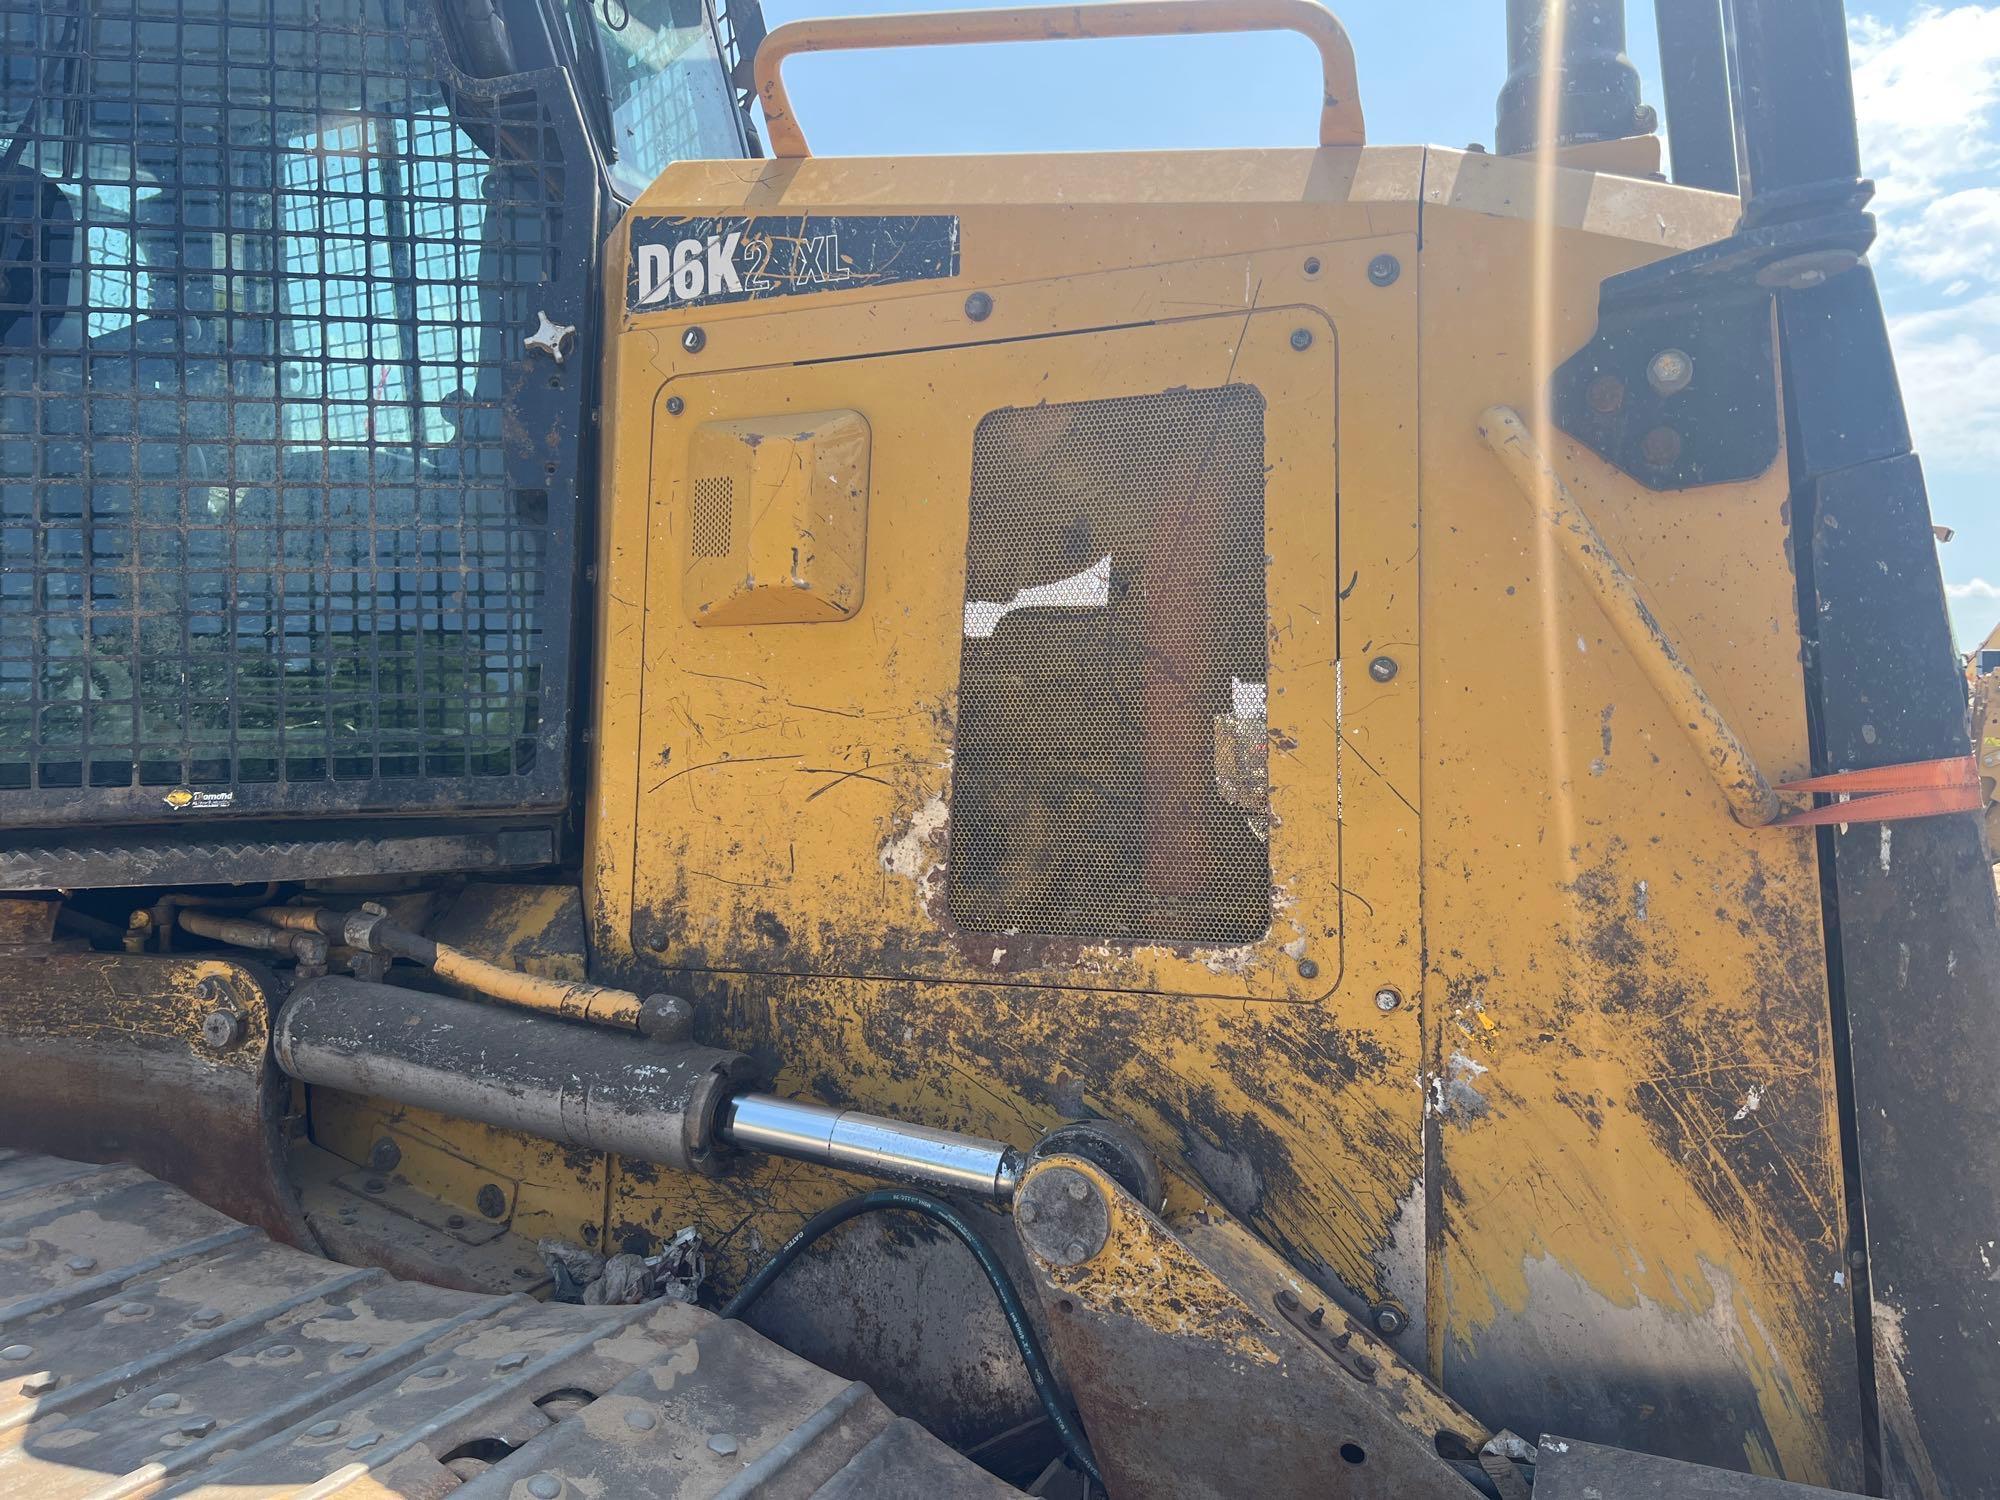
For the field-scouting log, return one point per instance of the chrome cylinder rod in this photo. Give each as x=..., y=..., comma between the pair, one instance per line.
x=870, y=1144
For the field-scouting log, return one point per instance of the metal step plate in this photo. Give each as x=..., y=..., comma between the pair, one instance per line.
x=149, y=1345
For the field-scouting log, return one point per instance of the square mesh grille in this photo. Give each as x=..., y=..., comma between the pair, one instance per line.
x=1114, y=627
x=712, y=516
x=262, y=280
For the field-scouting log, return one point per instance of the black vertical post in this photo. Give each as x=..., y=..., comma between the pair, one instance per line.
x=1597, y=88
x=1912, y=936
x=1694, y=79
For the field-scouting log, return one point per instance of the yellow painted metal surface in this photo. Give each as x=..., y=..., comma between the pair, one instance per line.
x=1537, y=1045
x=776, y=525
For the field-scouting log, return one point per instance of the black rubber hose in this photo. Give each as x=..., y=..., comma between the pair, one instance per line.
x=940, y=1212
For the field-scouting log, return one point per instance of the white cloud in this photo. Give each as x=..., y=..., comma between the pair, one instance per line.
x=1952, y=240
x=1926, y=96
x=1948, y=360
x=1976, y=588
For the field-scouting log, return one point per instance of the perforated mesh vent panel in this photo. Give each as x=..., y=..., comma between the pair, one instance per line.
x=264, y=291
x=1115, y=636
x=710, y=521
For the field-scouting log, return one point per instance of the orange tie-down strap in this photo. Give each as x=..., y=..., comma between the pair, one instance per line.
x=1887, y=794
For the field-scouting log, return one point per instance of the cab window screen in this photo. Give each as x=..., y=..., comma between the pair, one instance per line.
x=670, y=95
x=265, y=283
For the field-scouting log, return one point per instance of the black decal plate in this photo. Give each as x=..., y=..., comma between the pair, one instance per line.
x=701, y=262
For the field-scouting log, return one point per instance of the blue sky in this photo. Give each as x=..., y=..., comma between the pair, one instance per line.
x=1927, y=80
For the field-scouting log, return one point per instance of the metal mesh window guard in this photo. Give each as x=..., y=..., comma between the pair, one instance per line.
x=1107, y=779
x=261, y=284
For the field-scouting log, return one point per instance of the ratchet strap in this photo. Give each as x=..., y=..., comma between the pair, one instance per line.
x=1887, y=794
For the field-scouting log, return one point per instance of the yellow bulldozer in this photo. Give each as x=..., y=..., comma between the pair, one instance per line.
x=688, y=820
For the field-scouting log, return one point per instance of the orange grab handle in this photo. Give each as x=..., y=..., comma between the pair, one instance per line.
x=1340, y=112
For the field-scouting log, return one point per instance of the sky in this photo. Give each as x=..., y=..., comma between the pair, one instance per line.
x=1927, y=87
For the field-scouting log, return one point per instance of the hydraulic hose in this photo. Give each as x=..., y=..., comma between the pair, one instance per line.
x=939, y=1212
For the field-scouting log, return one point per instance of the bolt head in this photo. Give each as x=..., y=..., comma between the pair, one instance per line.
x=365, y=1440
x=545, y=1487
x=1670, y=371
x=384, y=1155
x=979, y=306
x=14, y=1244
x=675, y=406
x=1312, y=265
x=1389, y=1319
x=1605, y=394
x=205, y=1317
x=165, y=1401
x=13, y=1353
x=722, y=1443
x=222, y=1029
x=1079, y=1189
x=195, y=1427
x=80, y=1265
x=324, y=1429
x=1387, y=999
x=1025, y=1212
x=1077, y=1252
x=1308, y=968
x=694, y=341
x=640, y=1420
x=1661, y=447
x=1384, y=269
x=1302, y=339
x=1383, y=668
x=491, y=1201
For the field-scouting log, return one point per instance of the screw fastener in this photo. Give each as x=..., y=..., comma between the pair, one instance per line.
x=979, y=306
x=221, y=1029
x=722, y=1443
x=694, y=341
x=1670, y=371
x=14, y=1352
x=675, y=406
x=1383, y=668
x=1308, y=969
x=1302, y=339
x=1384, y=269
x=1389, y=1319
x=1387, y=999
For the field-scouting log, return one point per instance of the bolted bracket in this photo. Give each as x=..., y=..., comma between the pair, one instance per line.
x=1678, y=387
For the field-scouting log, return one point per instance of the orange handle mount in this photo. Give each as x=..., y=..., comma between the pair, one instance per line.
x=1340, y=113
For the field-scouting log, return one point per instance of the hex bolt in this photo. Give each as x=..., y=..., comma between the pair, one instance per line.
x=277, y=1353
x=1389, y=1319
x=14, y=1353
x=491, y=1201
x=979, y=306
x=1387, y=999
x=1079, y=1190
x=432, y=1372
x=164, y=1402
x=326, y=1429
x=81, y=1265
x=1670, y=371
x=545, y=1487
x=354, y=1351
x=376, y=1185
x=694, y=341
x=1308, y=969
x=1078, y=1252
x=384, y=1155
x=205, y=1317
x=639, y=1420
x=195, y=1427
x=722, y=1443
x=366, y=1440
x=222, y=1029
x=1384, y=269
x=675, y=406
x=1025, y=1212
x=39, y=1384
x=1302, y=339
x=1383, y=669
x=512, y=1361
x=455, y=1221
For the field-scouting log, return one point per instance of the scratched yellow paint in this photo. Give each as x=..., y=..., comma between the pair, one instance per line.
x=1585, y=1137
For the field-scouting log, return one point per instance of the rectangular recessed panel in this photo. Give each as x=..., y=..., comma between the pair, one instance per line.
x=266, y=285
x=1115, y=638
